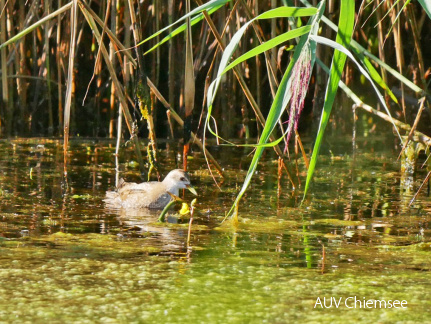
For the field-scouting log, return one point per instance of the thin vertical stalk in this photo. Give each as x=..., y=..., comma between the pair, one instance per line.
x=380, y=43
x=59, y=62
x=189, y=88
x=225, y=96
x=98, y=95
x=126, y=74
x=22, y=85
x=127, y=42
x=70, y=81
x=157, y=18
x=98, y=66
x=273, y=35
x=10, y=71
x=416, y=37
x=258, y=64
x=37, y=82
x=4, y=68
x=3, y=53
x=117, y=147
x=112, y=57
x=47, y=8
x=171, y=5
x=399, y=54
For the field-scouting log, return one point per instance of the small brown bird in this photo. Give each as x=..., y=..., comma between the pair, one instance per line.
x=153, y=194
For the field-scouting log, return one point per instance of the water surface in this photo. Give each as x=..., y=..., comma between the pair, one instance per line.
x=64, y=257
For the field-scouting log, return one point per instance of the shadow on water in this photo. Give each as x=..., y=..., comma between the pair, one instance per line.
x=65, y=257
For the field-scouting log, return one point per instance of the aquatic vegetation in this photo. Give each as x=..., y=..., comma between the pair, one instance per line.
x=69, y=259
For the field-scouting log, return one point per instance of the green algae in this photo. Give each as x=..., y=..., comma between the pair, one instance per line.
x=64, y=258
x=214, y=289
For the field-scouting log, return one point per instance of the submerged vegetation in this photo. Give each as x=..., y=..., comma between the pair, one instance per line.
x=64, y=258
x=138, y=57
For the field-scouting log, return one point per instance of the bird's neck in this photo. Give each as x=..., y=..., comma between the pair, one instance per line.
x=173, y=189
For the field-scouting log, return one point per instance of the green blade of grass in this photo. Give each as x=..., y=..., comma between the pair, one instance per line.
x=426, y=4
x=281, y=99
x=344, y=35
x=374, y=74
x=328, y=42
x=281, y=12
x=36, y=24
x=269, y=44
x=396, y=18
x=361, y=49
x=340, y=48
x=182, y=28
x=206, y=6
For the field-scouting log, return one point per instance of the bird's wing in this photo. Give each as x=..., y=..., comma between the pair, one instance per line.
x=140, y=195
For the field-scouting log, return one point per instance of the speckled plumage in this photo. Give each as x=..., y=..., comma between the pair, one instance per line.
x=151, y=194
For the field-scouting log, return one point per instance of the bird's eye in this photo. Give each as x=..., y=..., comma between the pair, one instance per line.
x=183, y=179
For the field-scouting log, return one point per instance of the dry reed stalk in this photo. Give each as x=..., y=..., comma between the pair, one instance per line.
x=171, y=127
x=304, y=155
x=3, y=54
x=34, y=72
x=59, y=64
x=171, y=76
x=420, y=188
x=415, y=124
x=157, y=18
x=47, y=34
x=270, y=61
x=178, y=119
x=97, y=69
x=159, y=96
x=416, y=37
x=279, y=176
x=142, y=90
x=381, y=42
x=120, y=94
x=126, y=74
x=258, y=64
x=273, y=35
x=213, y=61
x=189, y=88
x=21, y=83
x=399, y=53
x=114, y=27
x=70, y=81
x=189, y=232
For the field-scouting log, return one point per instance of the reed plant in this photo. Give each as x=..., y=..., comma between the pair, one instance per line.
x=230, y=44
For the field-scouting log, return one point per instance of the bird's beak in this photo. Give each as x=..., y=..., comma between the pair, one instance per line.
x=192, y=190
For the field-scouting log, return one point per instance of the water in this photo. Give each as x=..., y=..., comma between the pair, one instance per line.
x=65, y=258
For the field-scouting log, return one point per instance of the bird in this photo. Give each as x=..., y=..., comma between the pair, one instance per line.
x=151, y=195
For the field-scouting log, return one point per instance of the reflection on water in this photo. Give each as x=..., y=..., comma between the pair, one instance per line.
x=61, y=248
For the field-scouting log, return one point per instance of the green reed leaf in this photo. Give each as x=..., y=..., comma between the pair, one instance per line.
x=282, y=96
x=269, y=44
x=180, y=29
x=426, y=4
x=210, y=5
x=344, y=35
